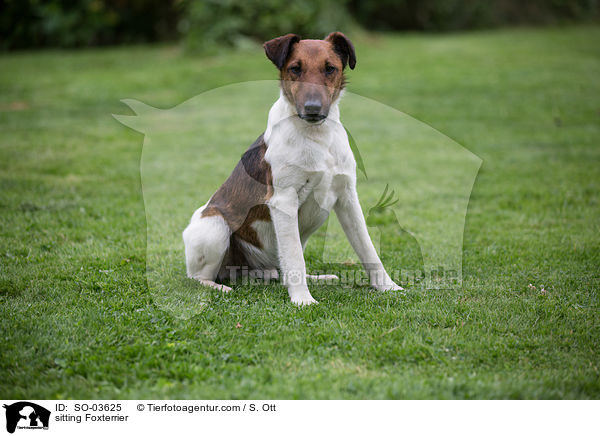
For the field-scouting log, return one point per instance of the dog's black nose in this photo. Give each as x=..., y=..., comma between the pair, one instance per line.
x=312, y=107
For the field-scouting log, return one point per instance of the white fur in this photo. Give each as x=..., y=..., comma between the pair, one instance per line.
x=314, y=172
x=206, y=241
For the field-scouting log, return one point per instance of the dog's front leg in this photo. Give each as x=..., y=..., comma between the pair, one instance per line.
x=284, y=214
x=349, y=213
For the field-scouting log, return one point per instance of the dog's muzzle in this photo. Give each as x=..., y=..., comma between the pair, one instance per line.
x=311, y=111
x=312, y=118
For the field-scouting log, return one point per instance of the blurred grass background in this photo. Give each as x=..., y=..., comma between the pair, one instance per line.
x=77, y=319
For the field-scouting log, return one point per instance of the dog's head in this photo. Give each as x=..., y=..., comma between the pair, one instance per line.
x=311, y=71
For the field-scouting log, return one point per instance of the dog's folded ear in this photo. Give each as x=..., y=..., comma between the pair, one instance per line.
x=279, y=49
x=343, y=47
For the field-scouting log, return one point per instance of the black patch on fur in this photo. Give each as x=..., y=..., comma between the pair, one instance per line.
x=278, y=49
x=343, y=48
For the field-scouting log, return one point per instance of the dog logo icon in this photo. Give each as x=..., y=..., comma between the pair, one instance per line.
x=26, y=415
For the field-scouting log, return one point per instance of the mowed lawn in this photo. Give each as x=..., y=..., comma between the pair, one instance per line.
x=78, y=319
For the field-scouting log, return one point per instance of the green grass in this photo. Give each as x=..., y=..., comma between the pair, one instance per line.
x=79, y=318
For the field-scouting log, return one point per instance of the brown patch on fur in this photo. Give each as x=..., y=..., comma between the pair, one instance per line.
x=242, y=199
x=278, y=49
x=246, y=232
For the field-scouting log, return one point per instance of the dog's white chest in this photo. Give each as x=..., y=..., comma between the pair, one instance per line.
x=311, y=169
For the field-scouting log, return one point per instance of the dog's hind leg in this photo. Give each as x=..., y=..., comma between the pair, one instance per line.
x=206, y=241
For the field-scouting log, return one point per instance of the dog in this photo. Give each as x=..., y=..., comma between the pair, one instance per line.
x=288, y=181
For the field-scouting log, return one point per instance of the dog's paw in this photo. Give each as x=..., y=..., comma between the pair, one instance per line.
x=304, y=301
x=227, y=289
x=389, y=287
x=214, y=285
x=302, y=298
x=322, y=277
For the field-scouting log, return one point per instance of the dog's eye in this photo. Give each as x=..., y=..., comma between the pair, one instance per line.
x=330, y=69
x=296, y=70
